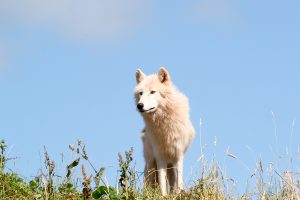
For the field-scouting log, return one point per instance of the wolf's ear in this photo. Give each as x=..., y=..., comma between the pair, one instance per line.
x=139, y=75
x=163, y=75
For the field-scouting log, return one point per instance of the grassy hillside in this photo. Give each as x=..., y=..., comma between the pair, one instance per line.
x=210, y=185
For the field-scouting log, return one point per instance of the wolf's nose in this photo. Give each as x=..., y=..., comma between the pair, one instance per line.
x=140, y=106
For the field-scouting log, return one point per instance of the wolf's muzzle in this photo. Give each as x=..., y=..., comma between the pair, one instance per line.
x=140, y=106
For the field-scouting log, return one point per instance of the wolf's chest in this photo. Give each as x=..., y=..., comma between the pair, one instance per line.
x=167, y=141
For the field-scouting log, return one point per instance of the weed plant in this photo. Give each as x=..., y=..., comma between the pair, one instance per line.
x=211, y=185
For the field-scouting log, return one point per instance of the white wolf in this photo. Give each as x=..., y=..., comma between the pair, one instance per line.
x=168, y=130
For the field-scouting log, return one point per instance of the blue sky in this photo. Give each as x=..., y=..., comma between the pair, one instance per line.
x=67, y=72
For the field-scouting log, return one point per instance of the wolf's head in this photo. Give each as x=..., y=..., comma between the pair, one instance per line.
x=151, y=90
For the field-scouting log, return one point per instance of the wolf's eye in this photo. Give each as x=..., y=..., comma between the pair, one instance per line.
x=152, y=92
x=141, y=93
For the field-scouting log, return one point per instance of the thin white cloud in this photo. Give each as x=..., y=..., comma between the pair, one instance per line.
x=98, y=20
x=216, y=11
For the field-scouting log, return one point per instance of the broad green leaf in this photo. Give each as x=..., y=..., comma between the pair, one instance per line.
x=105, y=191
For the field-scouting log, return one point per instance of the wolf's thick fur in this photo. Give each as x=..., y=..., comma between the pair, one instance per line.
x=168, y=130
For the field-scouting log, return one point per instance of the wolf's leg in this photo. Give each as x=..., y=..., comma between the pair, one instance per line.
x=162, y=175
x=179, y=174
x=171, y=173
x=150, y=173
x=150, y=163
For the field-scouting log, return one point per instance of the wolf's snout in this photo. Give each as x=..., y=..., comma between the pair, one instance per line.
x=140, y=106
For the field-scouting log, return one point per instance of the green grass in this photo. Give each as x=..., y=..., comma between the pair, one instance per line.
x=209, y=186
